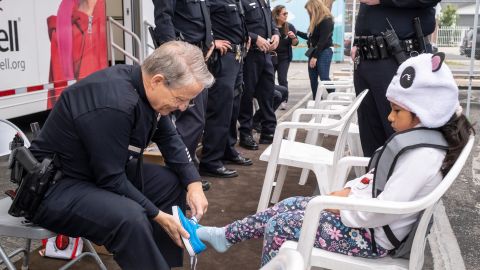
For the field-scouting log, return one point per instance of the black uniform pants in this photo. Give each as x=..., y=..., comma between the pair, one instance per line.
x=190, y=123
x=281, y=68
x=230, y=151
x=80, y=208
x=259, y=79
x=375, y=128
x=279, y=95
x=228, y=76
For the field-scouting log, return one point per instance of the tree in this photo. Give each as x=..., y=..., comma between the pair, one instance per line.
x=449, y=16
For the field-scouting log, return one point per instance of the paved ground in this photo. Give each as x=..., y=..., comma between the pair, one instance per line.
x=235, y=198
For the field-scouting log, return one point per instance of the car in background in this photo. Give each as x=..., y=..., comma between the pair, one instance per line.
x=467, y=42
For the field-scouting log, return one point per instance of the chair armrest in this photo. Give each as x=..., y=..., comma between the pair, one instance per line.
x=344, y=166
x=319, y=203
x=299, y=112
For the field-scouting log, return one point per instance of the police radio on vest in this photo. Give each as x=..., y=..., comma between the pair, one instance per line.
x=9, y=40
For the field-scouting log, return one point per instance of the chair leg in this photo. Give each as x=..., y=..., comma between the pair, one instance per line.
x=303, y=177
x=26, y=255
x=279, y=183
x=91, y=252
x=323, y=180
x=267, y=186
x=6, y=260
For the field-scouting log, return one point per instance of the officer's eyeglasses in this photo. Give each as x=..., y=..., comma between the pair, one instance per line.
x=179, y=100
x=285, y=14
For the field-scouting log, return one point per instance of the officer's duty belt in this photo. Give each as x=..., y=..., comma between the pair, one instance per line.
x=375, y=47
x=236, y=48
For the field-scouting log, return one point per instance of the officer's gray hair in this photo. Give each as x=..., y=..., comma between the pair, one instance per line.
x=180, y=63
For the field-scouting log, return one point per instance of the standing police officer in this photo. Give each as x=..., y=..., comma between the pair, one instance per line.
x=231, y=38
x=187, y=21
x=97, y=131
x=258, y=74
x=375, y=65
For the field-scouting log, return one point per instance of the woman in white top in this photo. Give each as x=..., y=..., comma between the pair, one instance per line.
x=416, y=173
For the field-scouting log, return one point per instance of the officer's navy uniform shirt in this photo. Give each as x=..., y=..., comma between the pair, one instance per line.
x=95, y=123
x=257, y=15
x=182, y=16
x=371, y=20
x=227, y=23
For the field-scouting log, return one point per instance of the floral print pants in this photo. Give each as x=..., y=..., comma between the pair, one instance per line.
x=283, y=222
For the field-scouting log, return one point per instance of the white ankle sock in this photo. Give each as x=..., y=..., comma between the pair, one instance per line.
x=215, y=237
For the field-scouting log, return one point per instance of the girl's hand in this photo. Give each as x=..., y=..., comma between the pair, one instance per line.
x=313, y=62
x=339, y=193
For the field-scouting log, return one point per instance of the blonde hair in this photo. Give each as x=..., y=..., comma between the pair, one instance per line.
x=317, y=11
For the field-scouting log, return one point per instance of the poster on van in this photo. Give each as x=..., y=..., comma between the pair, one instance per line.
x=42, y=42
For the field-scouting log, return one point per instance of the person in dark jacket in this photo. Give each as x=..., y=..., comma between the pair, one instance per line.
x=288, y=38
x=187, y=21
x=258, y=75
x=98, y=130
x=319, y=42
x=376, y=73
x=231, y=38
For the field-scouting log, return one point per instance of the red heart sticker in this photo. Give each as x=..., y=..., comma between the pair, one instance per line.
x=365, y=181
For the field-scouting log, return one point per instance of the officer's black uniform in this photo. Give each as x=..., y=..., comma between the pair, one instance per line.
x=97, y=130
x=227, y=24
x=377, y=74
x=188, y=21
x=258, y=74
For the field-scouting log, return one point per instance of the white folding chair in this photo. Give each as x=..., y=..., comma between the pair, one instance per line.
x=325, y=259
x=20, y=228
x=286, y=259
x=289, y=152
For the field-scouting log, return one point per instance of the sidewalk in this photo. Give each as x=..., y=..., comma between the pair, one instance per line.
x=231, y=199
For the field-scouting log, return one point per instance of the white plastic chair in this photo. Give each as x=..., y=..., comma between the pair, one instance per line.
x=20, y=228
x=325, y=259
x=320, y=160
x=341, y=105
x=286, y=259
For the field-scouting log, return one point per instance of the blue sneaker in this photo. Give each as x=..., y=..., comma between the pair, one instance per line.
x=193, y=245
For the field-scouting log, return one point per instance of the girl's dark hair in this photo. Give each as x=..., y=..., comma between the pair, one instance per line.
x=456, y=131
x=276, y=12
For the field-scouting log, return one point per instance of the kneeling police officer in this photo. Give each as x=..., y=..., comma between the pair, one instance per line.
x=98, y=130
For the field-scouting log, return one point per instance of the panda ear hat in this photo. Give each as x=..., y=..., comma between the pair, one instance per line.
x=424, y=85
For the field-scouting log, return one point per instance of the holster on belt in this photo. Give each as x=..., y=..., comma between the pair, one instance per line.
x=33, y=178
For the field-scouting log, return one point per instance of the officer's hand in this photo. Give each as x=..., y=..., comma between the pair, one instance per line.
x=173, y=228
x=196, y=199
x=274, y=42
x=222, y=46
x=353, y=52
x=313, y=62
x=210, y=51
x=262, y=44
x=370, y=2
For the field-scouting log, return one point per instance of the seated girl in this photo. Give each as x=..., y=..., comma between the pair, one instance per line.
x=423, y=94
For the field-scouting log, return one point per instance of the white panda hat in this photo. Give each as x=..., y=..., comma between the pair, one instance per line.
x=425, y=87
